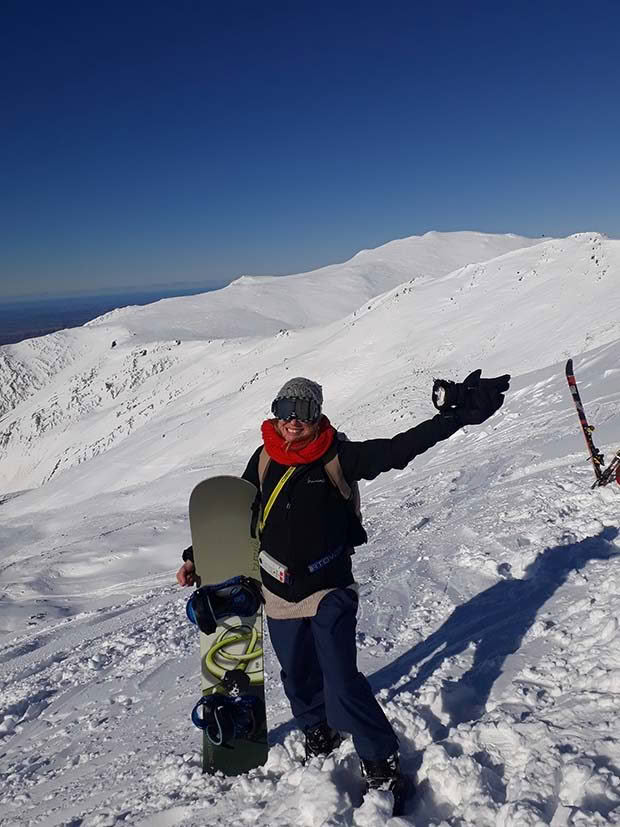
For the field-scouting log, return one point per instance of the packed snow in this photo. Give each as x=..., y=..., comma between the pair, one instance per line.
x=490, y=588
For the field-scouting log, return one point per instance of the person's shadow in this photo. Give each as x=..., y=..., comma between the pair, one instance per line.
x=496, y=621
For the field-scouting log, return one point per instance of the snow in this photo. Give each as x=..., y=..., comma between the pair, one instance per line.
x=490, y=588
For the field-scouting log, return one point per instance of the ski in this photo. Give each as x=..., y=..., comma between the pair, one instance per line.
x=612, y=471
x=604, y=475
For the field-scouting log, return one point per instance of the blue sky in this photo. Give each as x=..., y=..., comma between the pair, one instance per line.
x=151, y=143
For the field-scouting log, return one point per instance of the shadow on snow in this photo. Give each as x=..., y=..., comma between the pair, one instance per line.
x=496, y=621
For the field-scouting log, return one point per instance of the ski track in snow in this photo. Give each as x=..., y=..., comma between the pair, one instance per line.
x=489, y=620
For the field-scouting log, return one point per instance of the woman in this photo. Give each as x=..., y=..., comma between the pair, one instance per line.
x=307, y=480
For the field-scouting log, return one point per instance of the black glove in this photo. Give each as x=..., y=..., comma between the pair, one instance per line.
x=472, y=401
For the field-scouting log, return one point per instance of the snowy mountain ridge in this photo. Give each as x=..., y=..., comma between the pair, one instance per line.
x=250, y=306
x=100, y=395
x=490, y=588
x=261, y=305
x=65, y=377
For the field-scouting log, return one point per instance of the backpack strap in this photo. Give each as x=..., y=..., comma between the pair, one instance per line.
x=333, y=469
x=263, y=463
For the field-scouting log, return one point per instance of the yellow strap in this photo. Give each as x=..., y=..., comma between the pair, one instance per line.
x=274, y=494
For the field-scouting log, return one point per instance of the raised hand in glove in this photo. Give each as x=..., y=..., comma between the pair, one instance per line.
x=472, y=401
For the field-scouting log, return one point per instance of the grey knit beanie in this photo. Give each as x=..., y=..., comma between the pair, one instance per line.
x=300, y=388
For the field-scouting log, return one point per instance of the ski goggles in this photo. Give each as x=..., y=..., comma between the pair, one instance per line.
x=304, y=410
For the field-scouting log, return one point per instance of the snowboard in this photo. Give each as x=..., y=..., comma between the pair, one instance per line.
x=221, y=517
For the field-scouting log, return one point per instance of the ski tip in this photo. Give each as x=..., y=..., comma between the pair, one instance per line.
x=569, y=366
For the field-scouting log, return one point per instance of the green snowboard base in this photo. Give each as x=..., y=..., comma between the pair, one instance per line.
x=220, y=515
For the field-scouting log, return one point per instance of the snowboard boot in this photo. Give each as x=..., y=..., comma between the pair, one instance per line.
x=321, y=740
x=386, y=775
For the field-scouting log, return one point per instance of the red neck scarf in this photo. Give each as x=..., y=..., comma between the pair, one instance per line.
x=300, y=452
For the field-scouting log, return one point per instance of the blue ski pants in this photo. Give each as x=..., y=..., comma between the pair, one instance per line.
x=318, y=657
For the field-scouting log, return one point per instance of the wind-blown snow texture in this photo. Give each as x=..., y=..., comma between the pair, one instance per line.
x=490, y=589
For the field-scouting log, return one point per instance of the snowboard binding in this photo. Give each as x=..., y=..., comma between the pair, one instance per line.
x=225, y=718
x=239, y=596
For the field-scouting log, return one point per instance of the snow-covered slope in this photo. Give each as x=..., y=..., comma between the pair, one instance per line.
x=498, y=311
x=250, y=306
x=260, y=305
x=489, y=620
x=126, y=365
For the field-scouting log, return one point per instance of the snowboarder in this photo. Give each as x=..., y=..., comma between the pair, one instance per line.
x=307, y=533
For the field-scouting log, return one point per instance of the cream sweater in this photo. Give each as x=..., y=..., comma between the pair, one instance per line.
x=279, y=609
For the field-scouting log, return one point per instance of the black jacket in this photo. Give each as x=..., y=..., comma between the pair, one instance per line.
x=310, y=521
